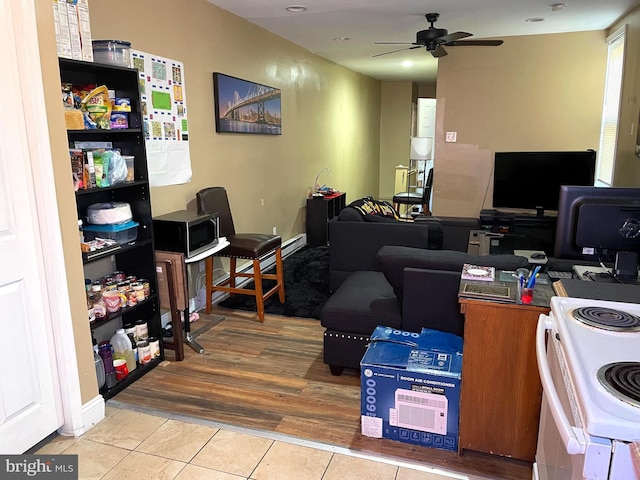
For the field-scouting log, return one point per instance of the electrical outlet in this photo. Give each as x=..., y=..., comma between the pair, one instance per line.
x=275, y=231
x=451, y=136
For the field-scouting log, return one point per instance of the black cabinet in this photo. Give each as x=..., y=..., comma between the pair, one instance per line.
x=319, y=211
x=135, y=257
x=539, y=232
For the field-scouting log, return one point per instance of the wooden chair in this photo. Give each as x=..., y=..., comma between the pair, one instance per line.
x=252, y=246
x=412, y=198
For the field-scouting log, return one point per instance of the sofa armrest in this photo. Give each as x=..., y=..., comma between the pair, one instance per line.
x=455, y=232
x=353, y=245
x=430, y=300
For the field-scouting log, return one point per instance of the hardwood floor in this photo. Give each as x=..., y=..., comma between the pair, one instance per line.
x=270, y=376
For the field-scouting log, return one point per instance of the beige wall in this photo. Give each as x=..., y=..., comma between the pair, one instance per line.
x=627, y=169
x=66, y=200
x=330, y=114
x=395, y=132
x=540, y=92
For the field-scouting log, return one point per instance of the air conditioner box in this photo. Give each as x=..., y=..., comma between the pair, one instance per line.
x=410, y=387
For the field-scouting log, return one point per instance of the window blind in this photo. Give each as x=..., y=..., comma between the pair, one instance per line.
x=611, y=108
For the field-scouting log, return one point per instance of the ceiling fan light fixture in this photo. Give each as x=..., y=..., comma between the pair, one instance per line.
x=433, y=40
x=534, y=20
x=296, y=8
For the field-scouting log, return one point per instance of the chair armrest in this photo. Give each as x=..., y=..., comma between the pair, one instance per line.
x=353, y=245
x=430, y=300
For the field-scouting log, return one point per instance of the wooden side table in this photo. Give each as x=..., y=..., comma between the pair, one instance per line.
x=501, y=391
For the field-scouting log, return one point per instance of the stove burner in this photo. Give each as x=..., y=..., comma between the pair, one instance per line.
x=622, y=379
x=607, y=319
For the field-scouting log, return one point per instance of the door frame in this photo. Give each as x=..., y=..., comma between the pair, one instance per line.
x=45, y=212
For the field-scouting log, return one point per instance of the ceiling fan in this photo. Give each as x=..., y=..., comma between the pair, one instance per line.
x=435, y=39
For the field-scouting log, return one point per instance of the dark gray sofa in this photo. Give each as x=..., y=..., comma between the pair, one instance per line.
x=356, y=235
x=406, y=288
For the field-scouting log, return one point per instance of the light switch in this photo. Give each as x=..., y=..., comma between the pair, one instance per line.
x=451, y=136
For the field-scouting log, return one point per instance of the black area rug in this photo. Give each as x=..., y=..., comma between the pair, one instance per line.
x=306, y=286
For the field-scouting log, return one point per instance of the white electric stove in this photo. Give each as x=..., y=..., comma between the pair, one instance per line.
x=590, y=373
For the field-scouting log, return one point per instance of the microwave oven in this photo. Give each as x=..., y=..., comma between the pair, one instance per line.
x=186, y=231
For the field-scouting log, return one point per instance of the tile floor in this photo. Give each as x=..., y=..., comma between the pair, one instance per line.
x=131, y=444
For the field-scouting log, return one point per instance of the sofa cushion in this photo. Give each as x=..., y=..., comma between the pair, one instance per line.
x=350, y=214
x=380, y=219
x=393, y=260
x=363, y=301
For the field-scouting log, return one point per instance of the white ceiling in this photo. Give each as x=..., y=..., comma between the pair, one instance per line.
x=367, y=21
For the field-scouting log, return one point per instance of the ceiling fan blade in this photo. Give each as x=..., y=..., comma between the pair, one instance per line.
x=477, y=43
x=439, y=52
x=395, y=43
x=395, y=51
x=452, y=37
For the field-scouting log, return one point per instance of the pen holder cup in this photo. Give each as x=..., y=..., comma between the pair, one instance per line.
x=526, y=295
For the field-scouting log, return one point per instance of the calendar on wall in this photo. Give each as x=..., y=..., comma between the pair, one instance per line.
x=164, y=113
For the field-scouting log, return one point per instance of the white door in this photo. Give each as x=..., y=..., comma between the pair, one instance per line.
x=30, y=402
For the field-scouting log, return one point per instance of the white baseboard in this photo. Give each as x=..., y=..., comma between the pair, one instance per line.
x=93, y=412
x=288, y=247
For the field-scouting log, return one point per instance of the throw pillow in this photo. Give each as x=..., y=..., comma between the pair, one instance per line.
x=368, y=206
x=350, y=214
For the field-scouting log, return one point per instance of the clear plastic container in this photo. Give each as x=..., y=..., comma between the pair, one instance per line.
x=113, y=52
x=121, y=233
x=130, y=168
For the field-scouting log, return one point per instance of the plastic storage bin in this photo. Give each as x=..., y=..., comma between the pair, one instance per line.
x=113, y=52
x=121, y=232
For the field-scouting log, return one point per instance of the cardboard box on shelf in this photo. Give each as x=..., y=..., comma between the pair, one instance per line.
x=410, y=387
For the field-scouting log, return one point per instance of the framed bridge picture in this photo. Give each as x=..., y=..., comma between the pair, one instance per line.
x=242, y=106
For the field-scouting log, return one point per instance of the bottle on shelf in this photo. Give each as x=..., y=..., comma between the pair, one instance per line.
x=104, y=350
x=122, y=348
x=90, y=310
x=99, y=307
x=97, y=360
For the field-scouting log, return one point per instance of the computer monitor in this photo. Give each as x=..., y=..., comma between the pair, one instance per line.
x=600, y=223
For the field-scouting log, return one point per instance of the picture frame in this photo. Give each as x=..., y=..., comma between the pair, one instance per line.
x=242, y=106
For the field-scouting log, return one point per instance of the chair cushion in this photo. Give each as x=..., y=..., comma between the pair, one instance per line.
x=408, y=198
x=363, y=301
x=393, y=260
x=250, y=245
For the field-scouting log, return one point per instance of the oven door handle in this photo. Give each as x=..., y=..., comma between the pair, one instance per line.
x=572, y=437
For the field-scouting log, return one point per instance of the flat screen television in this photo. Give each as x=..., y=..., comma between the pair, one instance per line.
x=532, y=180
x=598, y=223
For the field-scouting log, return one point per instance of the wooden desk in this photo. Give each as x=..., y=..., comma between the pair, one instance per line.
x=501, y=391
